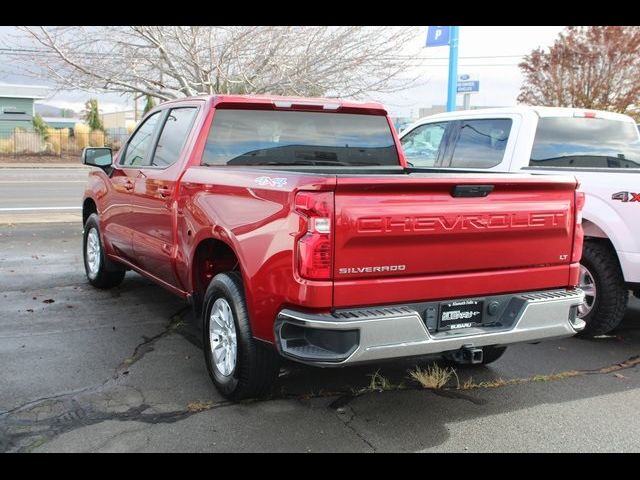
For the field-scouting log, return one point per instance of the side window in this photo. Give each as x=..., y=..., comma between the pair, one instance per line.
x=138, y=146
x=174, y=134
x=481, y=143
x=422, y=144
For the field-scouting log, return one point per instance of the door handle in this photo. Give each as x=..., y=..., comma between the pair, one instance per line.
x=164, y=191
x=472, y=190
x=128, y=185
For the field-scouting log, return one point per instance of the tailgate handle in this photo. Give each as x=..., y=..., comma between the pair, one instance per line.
x=472, y=190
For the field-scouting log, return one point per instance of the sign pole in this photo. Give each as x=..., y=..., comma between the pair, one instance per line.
x=453, y=70
x=467, y=101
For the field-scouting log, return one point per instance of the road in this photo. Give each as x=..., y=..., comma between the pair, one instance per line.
x=30, y=195
x=122, y=370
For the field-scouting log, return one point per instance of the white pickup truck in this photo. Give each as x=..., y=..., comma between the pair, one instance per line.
x=601, y=149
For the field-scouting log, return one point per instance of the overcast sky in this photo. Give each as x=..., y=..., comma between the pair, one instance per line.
x=500, y=78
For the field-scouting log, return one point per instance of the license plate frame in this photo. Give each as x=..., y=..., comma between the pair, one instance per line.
x=459, y=314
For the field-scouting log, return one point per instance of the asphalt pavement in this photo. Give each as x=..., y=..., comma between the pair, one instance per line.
x=122, y=370
x=29, y=195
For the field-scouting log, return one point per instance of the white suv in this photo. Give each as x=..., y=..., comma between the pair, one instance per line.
x=601, y=149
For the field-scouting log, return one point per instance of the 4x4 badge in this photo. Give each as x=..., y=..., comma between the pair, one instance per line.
x=626, y=197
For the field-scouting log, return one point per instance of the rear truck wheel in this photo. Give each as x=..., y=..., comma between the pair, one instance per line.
x=239, y=366
x=475, y=355
x=606, y=294
x=101, y=272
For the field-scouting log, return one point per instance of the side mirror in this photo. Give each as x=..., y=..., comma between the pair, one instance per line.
x=101, y=157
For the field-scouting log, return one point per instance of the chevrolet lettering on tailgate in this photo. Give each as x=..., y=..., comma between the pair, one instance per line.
x=444, y=223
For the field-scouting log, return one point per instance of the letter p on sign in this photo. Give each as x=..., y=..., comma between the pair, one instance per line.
x=437, y=36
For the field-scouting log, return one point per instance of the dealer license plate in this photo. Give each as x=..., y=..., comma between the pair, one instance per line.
x=460, y=314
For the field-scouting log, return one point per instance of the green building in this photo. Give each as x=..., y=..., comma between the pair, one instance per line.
x=17, y=106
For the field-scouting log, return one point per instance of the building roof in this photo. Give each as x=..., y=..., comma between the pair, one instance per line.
x=24, y=91
x=68, y=120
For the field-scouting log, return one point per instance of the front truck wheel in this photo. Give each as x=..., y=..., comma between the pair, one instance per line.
x=239, y=366
x=101, y=272
x=606, y=294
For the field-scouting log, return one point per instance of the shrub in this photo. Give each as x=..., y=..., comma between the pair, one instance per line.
x=7, y=145
x=58, y=139
x=131, y=125
x=96, y=138
x=81, y=131
x=28, y=142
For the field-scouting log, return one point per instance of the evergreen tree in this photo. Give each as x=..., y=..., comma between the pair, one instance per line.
x=40, y=126
x=148, y=104
x=92, y=116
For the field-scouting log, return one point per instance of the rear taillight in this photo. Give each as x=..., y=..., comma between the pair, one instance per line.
x=314, y=255
x=578, y=237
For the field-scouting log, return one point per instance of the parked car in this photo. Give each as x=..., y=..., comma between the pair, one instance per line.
x=601, y=149
x=295, y=229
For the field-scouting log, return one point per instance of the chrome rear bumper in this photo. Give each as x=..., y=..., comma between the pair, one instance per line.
x=369, y=334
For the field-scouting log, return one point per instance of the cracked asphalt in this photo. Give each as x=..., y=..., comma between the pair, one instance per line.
x=83, y=370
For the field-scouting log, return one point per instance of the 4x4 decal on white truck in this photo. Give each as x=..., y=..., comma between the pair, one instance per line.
x=626, y=197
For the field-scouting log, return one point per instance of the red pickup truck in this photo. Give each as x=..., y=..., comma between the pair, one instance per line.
x=296, y=229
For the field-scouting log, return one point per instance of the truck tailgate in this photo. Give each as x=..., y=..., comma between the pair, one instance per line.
x=415, y=230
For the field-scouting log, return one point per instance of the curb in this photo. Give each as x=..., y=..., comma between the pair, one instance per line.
x=43, y=165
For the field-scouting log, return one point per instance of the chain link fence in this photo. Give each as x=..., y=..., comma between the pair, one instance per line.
x=55, y=145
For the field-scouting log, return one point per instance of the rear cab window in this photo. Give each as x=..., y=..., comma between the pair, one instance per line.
x=481, y=143
x=422, y=144
x=272, y=138
x=579, y=142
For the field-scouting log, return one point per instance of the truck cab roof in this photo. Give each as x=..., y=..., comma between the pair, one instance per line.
x=528, y=110
x=286, y=102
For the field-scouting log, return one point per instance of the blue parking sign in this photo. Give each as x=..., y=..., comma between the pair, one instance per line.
x=437, y=36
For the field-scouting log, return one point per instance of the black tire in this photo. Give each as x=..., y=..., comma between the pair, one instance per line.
x=256, y=364
x=108, y=274
x=612, y=295
x=490, y=354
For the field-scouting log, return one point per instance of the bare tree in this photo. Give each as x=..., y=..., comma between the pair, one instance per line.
x=171, y=61
x=589, y=67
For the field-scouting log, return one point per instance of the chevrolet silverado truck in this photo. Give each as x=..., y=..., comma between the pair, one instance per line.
x=296, y=229
x=602, y=149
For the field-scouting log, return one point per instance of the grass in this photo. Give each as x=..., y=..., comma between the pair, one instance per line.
x=195, y=407
x=469, y=384
x=378, y=383
x=433, y=377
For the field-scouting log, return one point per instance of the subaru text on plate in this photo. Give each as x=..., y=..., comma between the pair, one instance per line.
x=296, y=229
